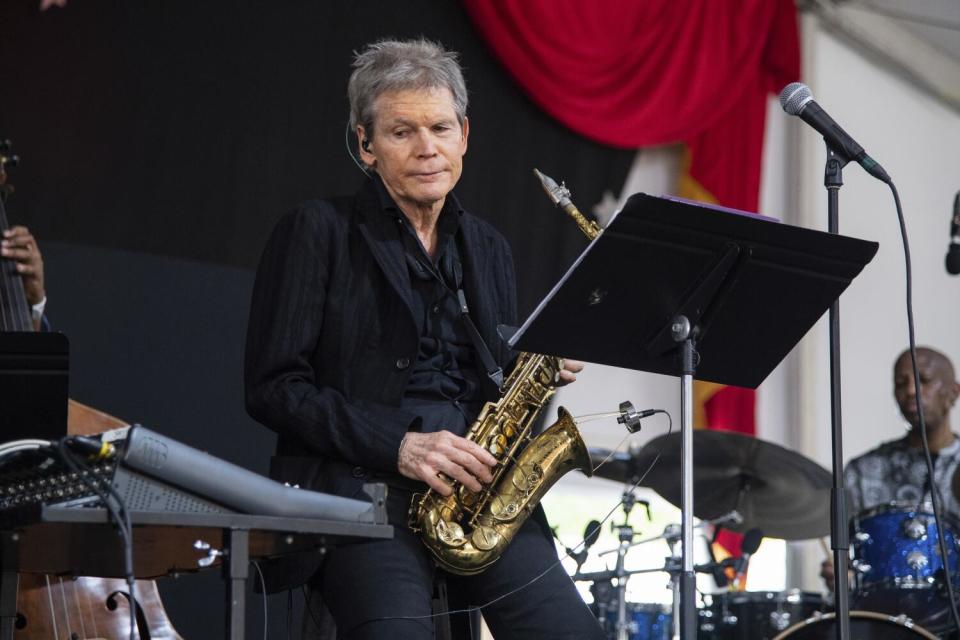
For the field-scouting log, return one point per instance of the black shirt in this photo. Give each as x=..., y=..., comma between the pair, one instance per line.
x=443, y=388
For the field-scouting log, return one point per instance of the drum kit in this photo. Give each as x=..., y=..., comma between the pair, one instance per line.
x=750, y=486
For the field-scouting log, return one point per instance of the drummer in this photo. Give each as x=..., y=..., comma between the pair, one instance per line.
x=895, y=471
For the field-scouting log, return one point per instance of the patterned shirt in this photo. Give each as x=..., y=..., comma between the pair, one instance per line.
x=896, y=472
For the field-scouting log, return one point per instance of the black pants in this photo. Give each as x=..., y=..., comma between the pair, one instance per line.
x=384, y=588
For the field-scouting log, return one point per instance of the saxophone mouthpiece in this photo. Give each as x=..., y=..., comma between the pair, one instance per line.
x=560, y=196
x=558, y=193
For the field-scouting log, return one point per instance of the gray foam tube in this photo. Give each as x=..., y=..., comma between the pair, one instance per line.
x=230, y=485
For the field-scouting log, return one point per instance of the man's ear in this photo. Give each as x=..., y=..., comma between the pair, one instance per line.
x=366, y=148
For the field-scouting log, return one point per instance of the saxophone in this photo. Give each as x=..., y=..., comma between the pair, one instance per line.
x=467, y=531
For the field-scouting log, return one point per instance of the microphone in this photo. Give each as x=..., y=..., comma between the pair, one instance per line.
x=590, y=535
x=953, y=251
x=630, y=418
x=797, y=100
x=717, y=570
x=751, y=542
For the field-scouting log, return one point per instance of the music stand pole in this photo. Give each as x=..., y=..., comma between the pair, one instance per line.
x=839, y=533
x=683, y=333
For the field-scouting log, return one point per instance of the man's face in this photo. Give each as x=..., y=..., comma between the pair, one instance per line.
x=417, y=146
x=938, y=389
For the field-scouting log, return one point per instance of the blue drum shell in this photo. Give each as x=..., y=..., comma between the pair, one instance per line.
x=890, y=541
x=644, y=622
x=887, y=541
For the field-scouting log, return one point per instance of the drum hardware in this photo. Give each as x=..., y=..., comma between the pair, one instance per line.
x=627, y=618
x=915, y=529
x=917, y=560
x=767, y=486
x=860, y=567
x=625, y=535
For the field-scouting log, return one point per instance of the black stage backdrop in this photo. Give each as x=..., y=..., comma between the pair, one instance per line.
x=161, y=140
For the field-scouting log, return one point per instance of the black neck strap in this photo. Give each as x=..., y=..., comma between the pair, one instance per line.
x=455, y=273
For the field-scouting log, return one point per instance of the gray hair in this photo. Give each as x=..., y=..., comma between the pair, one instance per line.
x=402, y=65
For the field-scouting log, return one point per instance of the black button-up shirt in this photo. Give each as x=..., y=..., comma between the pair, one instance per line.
x=443, y=388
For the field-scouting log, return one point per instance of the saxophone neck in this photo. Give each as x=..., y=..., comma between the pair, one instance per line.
x=560, y=196
x=590, y=228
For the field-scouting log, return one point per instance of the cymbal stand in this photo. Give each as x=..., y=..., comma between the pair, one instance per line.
x=625, y=534
x=672, y=534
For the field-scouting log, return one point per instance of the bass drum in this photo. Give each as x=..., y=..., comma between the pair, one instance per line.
x=864, y=625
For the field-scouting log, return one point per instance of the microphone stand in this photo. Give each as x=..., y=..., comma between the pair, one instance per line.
x=839, y=533
x=625, y=533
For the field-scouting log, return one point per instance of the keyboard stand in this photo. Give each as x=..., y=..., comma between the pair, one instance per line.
x=82, y=542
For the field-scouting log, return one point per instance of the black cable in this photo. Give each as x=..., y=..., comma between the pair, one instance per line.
x=263, y=588
x=555, y=564
x=119, y=513
x=306, y=601
x=934, y=494
x=289, y=613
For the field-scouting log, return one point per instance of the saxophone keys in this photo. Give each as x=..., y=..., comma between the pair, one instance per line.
x=485, y=538
x=467, y=498
x=450, y=534
x=503, y=510
x=497, y=445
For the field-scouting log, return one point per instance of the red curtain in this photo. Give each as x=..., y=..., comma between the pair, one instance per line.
x=631, y=73
x=635, y=73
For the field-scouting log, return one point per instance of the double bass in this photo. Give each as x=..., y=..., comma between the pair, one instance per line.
x=68, y=608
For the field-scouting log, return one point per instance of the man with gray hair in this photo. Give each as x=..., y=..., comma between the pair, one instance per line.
x=360, y=356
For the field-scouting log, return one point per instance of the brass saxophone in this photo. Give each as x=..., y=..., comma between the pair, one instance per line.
x=467, y=531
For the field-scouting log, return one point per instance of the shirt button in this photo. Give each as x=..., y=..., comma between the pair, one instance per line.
x=436, y=308
x=359, y=472
x=403, y=363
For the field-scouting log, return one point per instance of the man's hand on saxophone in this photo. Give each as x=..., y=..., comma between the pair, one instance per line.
x=568, y=371
x=425, y=456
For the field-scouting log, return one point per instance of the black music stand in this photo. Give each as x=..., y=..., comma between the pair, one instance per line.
x=680, y=288
x=34, y=381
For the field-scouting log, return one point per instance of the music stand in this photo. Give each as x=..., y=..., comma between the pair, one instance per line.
x=680, y=288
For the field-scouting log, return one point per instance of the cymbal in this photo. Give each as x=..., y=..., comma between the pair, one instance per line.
x=779, y=491
x=619, y=466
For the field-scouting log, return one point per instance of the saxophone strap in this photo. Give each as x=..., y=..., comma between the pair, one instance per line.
x=452, y=269
x=494, y=370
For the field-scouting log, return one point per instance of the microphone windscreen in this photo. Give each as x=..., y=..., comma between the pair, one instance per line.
x=751, y=541
x=953, y=260
x=794, y=97
x=591, y=533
